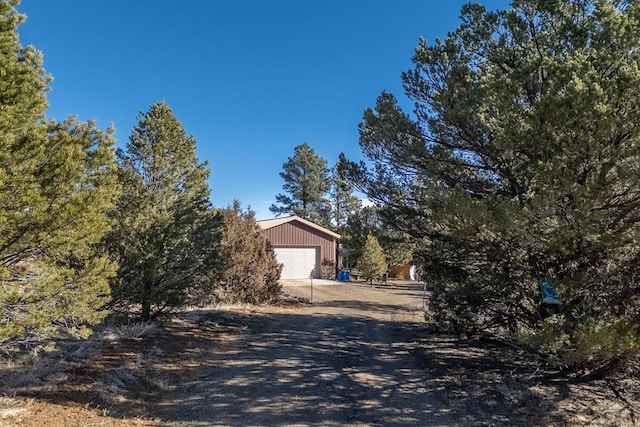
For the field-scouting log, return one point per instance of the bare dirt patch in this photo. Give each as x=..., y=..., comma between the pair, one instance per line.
x=356, y=356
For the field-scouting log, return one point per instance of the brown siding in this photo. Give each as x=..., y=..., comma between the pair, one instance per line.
x=294, y=233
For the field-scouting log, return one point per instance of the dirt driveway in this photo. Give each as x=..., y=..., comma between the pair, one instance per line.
x=347, y=359
x=357, y=356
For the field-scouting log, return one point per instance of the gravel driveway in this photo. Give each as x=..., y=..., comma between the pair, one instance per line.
x=347, y=359
x=357, y=356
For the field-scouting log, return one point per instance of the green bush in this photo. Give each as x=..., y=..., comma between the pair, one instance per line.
x=250, y=271
x=594, y=346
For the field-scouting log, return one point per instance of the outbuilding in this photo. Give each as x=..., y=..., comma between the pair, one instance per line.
x=301, y=246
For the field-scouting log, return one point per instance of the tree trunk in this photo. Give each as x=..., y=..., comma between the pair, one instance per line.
x=146, y=311
x=145, y=315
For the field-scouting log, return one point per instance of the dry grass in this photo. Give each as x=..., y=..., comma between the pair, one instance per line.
x=63, y=368
x=29, y=370
x=12, y=411
x=130, y=331
x=140, y=370
x=48, y=366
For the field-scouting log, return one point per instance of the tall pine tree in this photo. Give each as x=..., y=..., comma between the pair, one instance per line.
x=306, y=181
x=343, y=202
x=166, y=239
x=57, y=185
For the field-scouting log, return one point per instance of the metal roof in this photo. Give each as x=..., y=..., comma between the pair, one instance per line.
x=270, y=223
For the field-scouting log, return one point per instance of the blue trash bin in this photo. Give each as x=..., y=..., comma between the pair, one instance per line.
x=340, y=275
x=345, y=275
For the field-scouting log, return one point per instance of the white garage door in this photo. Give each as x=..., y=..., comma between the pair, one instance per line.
x=298, y=263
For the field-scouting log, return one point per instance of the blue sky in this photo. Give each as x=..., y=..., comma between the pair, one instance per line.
x=249, y=79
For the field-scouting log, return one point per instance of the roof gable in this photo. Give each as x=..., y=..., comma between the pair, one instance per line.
x=270, y=223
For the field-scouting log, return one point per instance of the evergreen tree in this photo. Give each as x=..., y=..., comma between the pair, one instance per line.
x=341, y=195
x=354, y=237
x=372, y=264
x=306, y=181
x=250, y=272
x=166, y=239
x=57, y=184
x=521, y=163
x=397, y=246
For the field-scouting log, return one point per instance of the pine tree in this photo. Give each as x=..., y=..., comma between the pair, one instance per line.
x=354, y=237
x=397, y=246
x=523, y=161
x=57, y=185
x=372, y=264
x=250, y=272
x=306, y=181
x=341, y=195
x=166, y=239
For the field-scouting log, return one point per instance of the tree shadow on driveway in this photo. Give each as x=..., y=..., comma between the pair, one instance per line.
x=324, y=370
x=304, y=367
